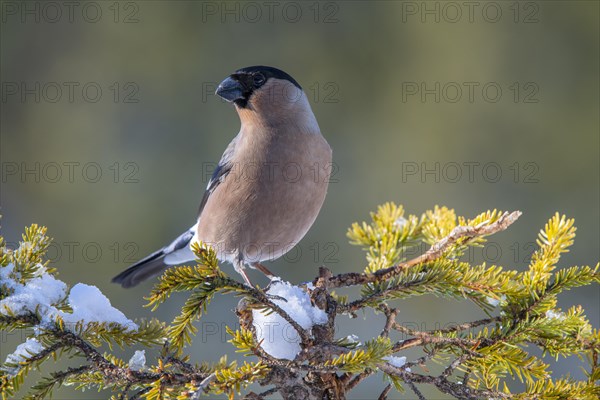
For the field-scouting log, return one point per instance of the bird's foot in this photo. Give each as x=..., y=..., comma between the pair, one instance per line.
x=265, y=271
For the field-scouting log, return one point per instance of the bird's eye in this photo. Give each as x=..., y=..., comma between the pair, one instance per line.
x=259, y=79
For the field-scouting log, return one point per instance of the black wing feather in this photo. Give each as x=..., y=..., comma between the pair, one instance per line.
x=220, y=173
x=217, y=177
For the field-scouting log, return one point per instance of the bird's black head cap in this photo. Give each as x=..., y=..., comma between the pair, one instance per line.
x=240, y=85
x=268, y=72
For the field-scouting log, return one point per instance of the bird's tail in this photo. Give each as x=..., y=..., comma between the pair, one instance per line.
x=146, y=268
x=177, y=252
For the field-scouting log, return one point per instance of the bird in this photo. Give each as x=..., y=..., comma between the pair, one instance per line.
x=268, y=187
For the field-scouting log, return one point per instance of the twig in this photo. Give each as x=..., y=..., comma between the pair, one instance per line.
x=434, y=252
x=46, y=352
x=260, y=396
x=465, y=378
x=386, y=390
x=450, y=369
x=443, y=384
x=201, y=388
x=359, y=378
x=390, y=319
x=139, y=393
x=414, y=388
x=268, y=392
x=186, y=367
x=427, y=337
x=123, y=394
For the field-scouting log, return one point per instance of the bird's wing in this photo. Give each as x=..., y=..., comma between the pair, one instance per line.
x=177, y=252
x=222, y=170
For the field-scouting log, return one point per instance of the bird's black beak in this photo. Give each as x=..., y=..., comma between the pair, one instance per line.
x=230, y=90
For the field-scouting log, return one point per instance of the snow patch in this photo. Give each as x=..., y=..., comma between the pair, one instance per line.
x=90, y=305
x=353, y=339
x=401, y=222
x=555, y=315
x=137, y=362
x=495, y=302
x=23, y=351
x=38, y=294
x=279, y=338
x=397, y=362
x=492, y=301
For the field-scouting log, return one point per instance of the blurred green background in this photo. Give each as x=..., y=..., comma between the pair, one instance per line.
x=110, y=130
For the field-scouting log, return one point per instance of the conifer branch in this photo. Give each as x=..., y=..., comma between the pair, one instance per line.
x=483, y=352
